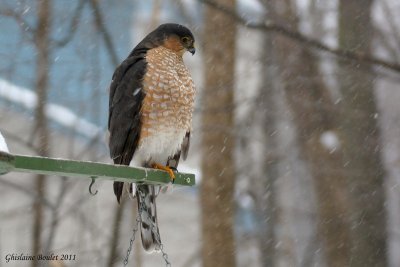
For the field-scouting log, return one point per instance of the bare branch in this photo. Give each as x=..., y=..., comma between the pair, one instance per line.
x=20, y=140
x=55, y=214
x=102, y=29
x=113, y=253
x=26, y=191
x=155, y=14
x=382, y=39
x=185, y=14
x=73, y=25
x=392, y=24
x=22, y=23
x=303, y=39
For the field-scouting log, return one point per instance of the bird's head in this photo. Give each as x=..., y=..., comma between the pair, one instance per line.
x=175, y=37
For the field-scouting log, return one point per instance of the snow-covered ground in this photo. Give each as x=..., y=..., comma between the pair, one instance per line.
x=3, y=144
x=57, y=113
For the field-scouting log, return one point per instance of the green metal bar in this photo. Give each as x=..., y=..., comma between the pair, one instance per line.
x=7, y=162
x=72, y=168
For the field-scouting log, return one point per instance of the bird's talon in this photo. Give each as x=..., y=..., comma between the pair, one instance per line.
x=173, y=170
x=171, y=174
x=168, y=169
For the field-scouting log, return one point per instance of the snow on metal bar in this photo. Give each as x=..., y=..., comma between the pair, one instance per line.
x=72, y=168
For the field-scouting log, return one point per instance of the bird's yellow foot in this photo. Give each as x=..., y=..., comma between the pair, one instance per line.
x=165, y=168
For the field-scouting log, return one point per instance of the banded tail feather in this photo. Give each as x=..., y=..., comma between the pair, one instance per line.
x=146, y=199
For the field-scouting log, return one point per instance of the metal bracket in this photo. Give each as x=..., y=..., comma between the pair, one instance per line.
x=87, y=169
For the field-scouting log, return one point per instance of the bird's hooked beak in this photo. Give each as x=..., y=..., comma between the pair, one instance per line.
x=192, y=49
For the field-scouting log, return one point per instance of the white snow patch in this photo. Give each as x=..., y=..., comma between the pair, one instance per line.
x=69, y=119
x=246, y=201
x=252, y=5
x=3, y=144
x=330, y=140
x=252, y=10
x=57, y=113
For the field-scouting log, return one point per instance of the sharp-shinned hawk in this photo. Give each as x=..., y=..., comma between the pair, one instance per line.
x=150, y=114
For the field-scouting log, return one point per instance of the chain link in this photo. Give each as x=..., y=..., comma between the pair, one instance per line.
x=135, y=229
x=165, y=256
x=153, y=228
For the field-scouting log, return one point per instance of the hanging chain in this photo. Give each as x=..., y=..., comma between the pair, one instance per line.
x=164, y=255
x=153, y=228
x=135, y=229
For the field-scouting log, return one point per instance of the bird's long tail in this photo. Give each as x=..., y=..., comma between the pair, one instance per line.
x=146, y=199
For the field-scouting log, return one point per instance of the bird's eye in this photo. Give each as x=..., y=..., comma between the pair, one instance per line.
x=185, y=40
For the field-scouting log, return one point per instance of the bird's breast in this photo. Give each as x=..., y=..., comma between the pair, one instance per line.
x=169, y=94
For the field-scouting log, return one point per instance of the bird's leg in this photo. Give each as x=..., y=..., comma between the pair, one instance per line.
x=165, y=168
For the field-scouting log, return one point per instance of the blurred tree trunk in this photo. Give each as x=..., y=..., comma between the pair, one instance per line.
x=42, y=78
x=313, y=112
x=138, y=247
x=362, y=149
x=155, y=14
x=264, y=186
x=218, y=139
x=266, y=197
x=113, y=255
